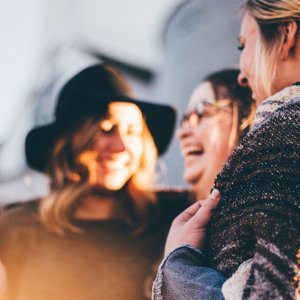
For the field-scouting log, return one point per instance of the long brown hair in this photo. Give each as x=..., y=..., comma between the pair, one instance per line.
x=70, y=182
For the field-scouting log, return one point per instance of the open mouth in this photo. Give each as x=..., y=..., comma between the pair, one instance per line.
x=193, y=151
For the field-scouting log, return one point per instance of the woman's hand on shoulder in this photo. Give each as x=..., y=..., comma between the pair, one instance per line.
x=190, y=226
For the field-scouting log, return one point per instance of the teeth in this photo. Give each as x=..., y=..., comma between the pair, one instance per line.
x=192, y=150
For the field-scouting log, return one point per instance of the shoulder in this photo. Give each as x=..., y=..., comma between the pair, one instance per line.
x=172, y=201
x=18, y=213
x=18, y=223
x=279, y=133
x=284, y=120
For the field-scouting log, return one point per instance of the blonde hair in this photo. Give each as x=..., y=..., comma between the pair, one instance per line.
x=228, y=92
x=70, y=182
x=241, y=120
x=271, y=17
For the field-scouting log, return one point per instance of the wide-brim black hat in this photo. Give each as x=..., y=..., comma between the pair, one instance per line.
x=88, y=94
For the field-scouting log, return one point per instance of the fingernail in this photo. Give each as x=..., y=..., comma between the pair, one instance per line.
x=215, y=194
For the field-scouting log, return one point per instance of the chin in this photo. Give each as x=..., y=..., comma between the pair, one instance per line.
x=111, y=185
x=191, y=177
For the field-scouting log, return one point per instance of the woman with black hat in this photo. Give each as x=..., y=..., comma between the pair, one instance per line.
x=101, y=228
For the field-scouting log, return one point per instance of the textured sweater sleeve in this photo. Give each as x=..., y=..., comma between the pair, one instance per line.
x=276, y=228
x=259, y=214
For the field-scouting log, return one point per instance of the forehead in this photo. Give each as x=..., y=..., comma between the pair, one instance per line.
x=204, y=91
x=249, y=26
x=125, y=112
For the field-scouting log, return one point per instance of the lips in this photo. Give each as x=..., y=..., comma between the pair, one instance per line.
x=193, y=151
x=114, y=165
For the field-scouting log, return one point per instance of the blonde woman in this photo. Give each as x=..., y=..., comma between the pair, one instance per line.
x=101, y=228
x=253, y=227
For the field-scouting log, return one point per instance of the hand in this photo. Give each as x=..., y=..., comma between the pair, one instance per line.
x=190, y=226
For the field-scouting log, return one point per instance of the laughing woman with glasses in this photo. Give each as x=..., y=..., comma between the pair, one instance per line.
x=219, y=114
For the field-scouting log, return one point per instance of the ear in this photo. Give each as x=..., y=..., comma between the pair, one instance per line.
x=289, y=39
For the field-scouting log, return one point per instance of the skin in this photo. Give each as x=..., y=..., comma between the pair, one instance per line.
x=287, y=60
x=205, y=146
x=117, y=151
x=113, y=159
x=2, y=279
x=189, y=227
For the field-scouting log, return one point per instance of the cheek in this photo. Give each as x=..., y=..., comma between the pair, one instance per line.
x=208, y=133
x=203, y=131
x=219, y=138
x=135, y=147
x=101, y=144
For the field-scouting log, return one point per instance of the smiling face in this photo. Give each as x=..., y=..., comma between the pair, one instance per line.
x=118, y=147
x=249, y=35
x=204, y=141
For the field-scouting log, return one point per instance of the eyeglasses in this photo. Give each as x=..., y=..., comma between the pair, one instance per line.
x=204, y=109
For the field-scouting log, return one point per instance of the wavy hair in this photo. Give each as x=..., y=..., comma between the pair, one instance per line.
x=71, y=178
x=70, y=182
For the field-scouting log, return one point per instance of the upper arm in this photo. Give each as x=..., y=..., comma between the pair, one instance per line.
x=262, y=207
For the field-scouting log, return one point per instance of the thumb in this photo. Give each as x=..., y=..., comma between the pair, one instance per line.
x=188, y=213
x=205, y=212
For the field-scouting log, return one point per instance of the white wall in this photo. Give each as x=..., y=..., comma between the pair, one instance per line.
x=179, y=51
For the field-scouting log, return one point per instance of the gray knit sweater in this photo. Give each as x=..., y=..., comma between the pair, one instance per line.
x=259, y=214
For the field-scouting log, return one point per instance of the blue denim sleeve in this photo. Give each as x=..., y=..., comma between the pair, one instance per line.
x=182, y=275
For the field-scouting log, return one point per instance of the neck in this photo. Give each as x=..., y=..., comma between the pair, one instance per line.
x=97, y=206
x=288, y=71
x=201, y=191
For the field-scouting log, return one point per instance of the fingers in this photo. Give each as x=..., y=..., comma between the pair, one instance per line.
x=204, y=214
x=213, y=198
x=206, y=205
x=188, y=213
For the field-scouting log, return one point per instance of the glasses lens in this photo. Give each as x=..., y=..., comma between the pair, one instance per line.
x=191, y=119
x=203, y=109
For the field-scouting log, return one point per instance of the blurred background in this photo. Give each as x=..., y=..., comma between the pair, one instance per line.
x=163, y=47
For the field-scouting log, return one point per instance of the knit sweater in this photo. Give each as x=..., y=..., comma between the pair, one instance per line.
x=258, y=215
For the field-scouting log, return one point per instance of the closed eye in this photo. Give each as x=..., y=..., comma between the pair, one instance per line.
x=108, y=131
x=107, y=127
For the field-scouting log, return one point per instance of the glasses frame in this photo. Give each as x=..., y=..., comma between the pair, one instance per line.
x=193, y=118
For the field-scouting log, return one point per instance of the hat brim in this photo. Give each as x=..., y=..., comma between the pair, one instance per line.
x=38, y=145
x=159, y=118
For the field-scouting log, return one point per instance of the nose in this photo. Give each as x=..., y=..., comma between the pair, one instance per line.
x=183, y=132
x=242, y=80
x=118, y=143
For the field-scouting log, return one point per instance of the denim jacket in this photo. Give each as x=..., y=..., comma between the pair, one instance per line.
x=182, y=275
